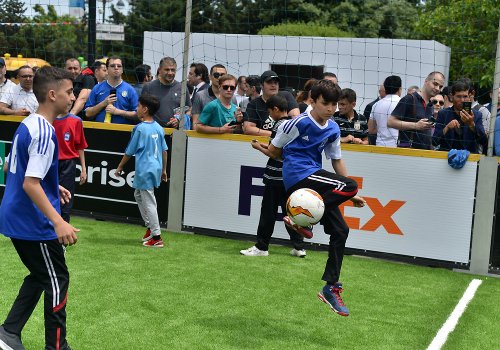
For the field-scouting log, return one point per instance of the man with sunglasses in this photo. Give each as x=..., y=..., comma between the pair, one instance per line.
x=257, y=120
x=204, y=97
x=20, y=99
x=168, y=91
x=113, y=97
x=221, y=116
x=438, y=103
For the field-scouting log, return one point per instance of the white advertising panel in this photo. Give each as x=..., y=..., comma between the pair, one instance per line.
x=416, y=206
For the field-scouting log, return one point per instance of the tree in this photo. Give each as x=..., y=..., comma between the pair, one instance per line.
x=304, y=29
x=12, y=12
x=469, y=28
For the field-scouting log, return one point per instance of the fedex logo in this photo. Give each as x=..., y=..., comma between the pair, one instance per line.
x=382, y=214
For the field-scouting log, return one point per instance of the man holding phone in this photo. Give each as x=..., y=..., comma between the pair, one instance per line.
x=459, y=126
x=113, y=100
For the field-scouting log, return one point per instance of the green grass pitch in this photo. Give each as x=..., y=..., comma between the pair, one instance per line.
x=199, y=293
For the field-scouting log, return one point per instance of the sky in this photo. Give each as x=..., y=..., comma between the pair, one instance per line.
x=62, y=6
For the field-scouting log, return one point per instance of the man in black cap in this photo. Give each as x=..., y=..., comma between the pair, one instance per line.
x=257, y=120
x=5, y=84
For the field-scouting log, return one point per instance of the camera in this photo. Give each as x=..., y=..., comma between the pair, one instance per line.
x=467, y=106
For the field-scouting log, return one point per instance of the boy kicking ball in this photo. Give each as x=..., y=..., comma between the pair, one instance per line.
x=148, y=145
x=300, y=143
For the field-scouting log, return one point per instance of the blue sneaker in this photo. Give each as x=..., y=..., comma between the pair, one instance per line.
x=330, y=295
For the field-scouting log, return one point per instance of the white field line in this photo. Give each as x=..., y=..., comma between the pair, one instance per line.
x=451, y=322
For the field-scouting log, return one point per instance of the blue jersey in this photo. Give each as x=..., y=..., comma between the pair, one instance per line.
x=126, y=99
x=303, y=140
x=147, y=143
x=33, y=154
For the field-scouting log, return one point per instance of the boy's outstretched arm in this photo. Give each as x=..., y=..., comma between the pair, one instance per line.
x=164, y=176
x=119, y=169
x=65, y=232
x=269, y=150
x=83, y=174
x=340, y=169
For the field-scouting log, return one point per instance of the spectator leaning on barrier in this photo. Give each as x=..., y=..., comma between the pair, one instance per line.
x=304, y=97
x=121, y=107
x=221, y=116
x=411, y=114
x=168, y=91
x=20, y=99
x=203, y=97
x=257, y=121
x=5, y=84
x=142, y=75
x=82, y=85
x=457, y=128
x=100, y=71
x=377, y=125
x=198, y=78
x=353, y=127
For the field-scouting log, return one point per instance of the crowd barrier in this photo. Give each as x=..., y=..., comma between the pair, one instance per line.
x=418, y=207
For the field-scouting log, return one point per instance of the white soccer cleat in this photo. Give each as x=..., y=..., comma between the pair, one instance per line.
x=254, y=251
x=301, y=253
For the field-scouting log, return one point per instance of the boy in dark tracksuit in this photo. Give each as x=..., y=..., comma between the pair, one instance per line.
x=274, y=191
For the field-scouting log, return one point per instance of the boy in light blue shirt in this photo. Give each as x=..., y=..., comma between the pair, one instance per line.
x=147, y=144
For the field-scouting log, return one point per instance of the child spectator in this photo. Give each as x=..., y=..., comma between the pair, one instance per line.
x=301, y=141
x=147, y=144
x=274, y=190
x=71, y=141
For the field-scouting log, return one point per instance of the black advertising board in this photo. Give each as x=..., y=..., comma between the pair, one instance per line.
x=104, y=194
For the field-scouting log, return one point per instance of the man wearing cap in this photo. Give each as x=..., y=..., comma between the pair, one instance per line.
x=5, y=84
x=20, y=99
x=257, y=120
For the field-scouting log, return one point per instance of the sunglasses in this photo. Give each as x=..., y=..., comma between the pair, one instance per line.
x=115, y=65
x=217, y=75
x=26, y=76
x=441, y=103
x=229, y=87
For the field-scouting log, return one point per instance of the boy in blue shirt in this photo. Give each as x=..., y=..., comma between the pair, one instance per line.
x=148, y=145
x=30, y=213
x=300, y=142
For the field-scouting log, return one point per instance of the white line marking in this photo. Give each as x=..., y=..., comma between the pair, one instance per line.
x=105, y=199
x=452, y=321
x=104, y=152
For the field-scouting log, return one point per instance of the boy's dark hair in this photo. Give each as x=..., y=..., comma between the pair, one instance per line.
x=151, y=102
x=47, y=78
x=254, y=80
x=141, y=72
x=329, y=74
x=392, y=84
x=201, y=70
x=326, y=88
x=97, y=65
x=459, y=86
x=278, y=102
x=348, y=94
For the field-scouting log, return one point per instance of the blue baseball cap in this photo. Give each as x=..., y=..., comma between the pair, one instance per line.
x=458, y=158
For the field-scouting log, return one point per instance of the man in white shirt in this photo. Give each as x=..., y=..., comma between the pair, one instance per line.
x=241, y=91
x=20, y=99
x=5, y=84
x=382, y=109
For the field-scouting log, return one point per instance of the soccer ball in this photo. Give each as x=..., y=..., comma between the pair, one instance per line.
x=305, y=207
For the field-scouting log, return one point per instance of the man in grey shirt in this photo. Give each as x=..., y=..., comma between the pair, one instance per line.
x=168, y=91
x=202, y=98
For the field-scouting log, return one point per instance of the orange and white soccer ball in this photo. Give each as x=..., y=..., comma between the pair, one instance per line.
x=305, y=207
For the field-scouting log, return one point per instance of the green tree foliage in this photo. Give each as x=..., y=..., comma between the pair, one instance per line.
x=469, y=28
x=12, y=12
x=304, y=29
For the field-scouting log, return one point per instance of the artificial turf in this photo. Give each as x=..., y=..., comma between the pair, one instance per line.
x=199, y=293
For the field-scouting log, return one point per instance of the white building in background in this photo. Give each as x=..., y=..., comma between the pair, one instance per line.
x=360, y=64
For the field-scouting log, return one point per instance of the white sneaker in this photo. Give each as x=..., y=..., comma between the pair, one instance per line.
x=254, y=251
x=300, y=253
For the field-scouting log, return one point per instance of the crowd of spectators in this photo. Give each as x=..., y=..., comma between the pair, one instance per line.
x=432, y=117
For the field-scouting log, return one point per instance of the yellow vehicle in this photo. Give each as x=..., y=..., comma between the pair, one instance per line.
x=13, y=63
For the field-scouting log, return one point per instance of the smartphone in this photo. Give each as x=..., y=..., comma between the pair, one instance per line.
x=233, y=122
x=467, y=106
x=112, y=91
x=431, y=120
